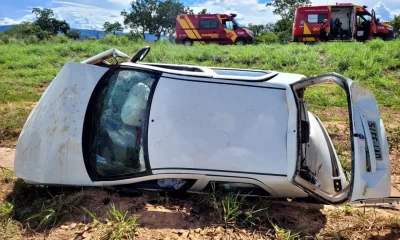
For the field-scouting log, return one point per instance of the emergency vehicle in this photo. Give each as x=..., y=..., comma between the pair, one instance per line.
x=344, y=21
x=211, y=28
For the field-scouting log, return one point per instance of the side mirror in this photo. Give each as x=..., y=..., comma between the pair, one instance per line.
x=141, y=54
x=378, y=20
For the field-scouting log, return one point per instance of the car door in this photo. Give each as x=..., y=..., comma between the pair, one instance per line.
x=371, y=175
x=370, y=155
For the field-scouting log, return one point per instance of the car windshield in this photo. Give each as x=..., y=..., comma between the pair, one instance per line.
x=237, y=23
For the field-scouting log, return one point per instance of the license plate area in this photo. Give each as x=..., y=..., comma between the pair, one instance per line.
x=375, y=140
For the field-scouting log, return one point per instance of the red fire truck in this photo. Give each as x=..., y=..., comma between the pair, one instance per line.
x=343, y=21
x=211, y=28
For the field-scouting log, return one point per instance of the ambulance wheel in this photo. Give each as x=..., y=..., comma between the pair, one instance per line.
x=240, y=41
x=188, y=42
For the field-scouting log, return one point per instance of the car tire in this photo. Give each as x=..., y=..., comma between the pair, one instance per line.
x=240, y=41
x=188, y=42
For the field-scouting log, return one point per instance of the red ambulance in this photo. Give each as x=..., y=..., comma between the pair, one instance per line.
x=211, y=28
x=343, y=21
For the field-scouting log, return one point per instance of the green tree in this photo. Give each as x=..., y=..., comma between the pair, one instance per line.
x=284, y=24
x=257, y=29
x=287, y=8
x=141, y=15
x=154, y=16
x=73, y=34
x=46, y=21
x=165, y=19
x=203, y=11
x=112, y=27
x=269, y=27
x=395, y=23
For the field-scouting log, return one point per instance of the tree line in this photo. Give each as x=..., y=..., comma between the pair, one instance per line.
x=158, y=17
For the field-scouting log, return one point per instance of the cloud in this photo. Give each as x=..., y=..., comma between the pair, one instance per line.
x=87, y=16
x=248, y=11
x=10, y=21
x=383, y=12
x=122, y=2
x=78, y=15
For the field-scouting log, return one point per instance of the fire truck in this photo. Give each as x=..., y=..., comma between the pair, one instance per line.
x=211, y=28
x=343, y=21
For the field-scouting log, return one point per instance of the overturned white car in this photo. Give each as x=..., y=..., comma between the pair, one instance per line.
x=159, y=126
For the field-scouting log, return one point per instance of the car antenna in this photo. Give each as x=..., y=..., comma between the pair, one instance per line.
x=141, y=54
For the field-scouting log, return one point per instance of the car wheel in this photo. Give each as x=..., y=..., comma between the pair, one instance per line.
x=240, y=41
x=188, y=42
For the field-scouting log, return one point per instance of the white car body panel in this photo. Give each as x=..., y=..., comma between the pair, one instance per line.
x=376, y=182
x=214, y=126
x=49, y=149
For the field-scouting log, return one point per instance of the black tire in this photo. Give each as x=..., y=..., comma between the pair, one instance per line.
x=187, y=42
x=240, y=41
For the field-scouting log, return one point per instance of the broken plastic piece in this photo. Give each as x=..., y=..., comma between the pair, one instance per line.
x=171, y=183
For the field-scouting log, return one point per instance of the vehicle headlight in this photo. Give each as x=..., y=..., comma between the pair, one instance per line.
x=390, y=29
x=250, y=33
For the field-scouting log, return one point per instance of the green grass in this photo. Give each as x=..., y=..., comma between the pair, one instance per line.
x=24, y=68
x=118, y=224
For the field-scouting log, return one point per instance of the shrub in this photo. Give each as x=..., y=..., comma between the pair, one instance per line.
x=123, y=40
x=60, y=39
x=284, y=37
x=73, y=34
x=267, y=38
x=5, y=39
x=110, y=39
x=33, y=39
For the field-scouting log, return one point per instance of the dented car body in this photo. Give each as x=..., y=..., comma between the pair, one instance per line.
x=181, y=127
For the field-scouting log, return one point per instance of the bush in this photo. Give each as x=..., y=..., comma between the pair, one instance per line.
x=134, y=36
x=123, y=39
x=109, y=39
x=267, y=38
x=60, y=39
x=4, y=39
x=112, y=39
x=31, y=39
x=284, y=37
x=73, y=34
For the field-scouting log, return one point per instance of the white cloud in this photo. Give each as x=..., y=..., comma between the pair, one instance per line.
x=9, y=21
x=383, y=12
x=248, y=11
x=122, y=2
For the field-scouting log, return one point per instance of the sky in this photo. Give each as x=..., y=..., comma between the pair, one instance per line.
x=91, y=14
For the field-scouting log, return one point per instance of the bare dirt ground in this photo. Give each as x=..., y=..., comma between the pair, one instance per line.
x=192, y=216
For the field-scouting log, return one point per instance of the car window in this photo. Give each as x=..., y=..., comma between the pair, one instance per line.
x=236, y=188
x=208, y=24
x=119, y=119
x=316, y=18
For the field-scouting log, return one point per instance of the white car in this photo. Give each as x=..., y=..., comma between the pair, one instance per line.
x=180, y=127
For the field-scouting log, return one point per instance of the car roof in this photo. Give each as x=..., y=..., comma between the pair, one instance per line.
x=253, y=77
x=215, y=74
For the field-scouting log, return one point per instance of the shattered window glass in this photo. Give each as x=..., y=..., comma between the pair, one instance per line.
x=120, y=117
